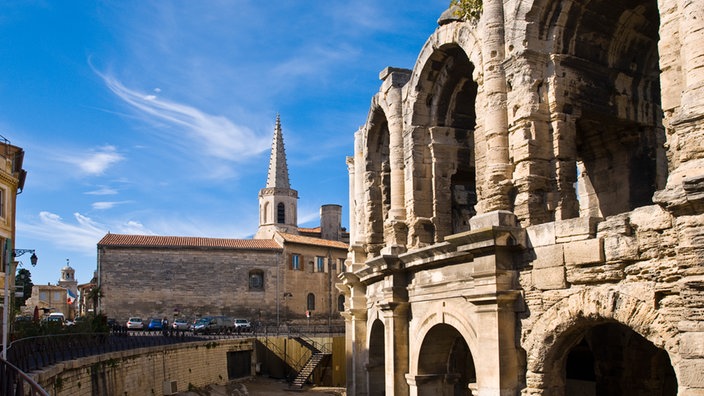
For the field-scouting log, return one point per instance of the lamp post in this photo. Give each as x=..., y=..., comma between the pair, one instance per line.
x=6, y=301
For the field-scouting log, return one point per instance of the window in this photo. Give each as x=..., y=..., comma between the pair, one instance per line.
x=2, y=203
x=57, y=296
x=281, y=213
x=320, y=264
x=295, y=262
x=342, y=264
x=341, y=302
x=256, y=280
x=311, y=302
x=43, y=296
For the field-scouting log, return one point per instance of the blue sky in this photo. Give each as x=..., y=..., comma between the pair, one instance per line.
x=156, y=117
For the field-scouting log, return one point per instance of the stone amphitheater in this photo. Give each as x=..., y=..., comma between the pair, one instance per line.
x=527, y=206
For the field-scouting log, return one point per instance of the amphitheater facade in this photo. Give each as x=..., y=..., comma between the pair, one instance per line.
x=527, y=207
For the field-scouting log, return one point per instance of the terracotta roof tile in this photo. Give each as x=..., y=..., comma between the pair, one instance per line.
x=305, y=240
x=121, y=240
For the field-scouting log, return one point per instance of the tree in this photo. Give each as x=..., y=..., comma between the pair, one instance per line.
x=23, y=282
x=95, y=294
x=470, y=10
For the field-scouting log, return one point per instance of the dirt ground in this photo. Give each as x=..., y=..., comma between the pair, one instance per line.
x=260, y=386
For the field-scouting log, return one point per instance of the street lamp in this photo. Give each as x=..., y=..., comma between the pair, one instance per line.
x=6, y=301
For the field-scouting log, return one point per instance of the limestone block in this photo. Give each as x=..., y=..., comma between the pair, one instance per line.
x=649, y=218
x=549, y=257
x=584, y=252
x=620, y=248
x=618, y=224
x=598, y=274
x=541, y=235
x=549, y=278
x=691, y=373
x=496, y=218
x=692, y=345
x=575, y=229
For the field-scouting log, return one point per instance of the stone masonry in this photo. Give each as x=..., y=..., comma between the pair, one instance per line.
x=527, y=207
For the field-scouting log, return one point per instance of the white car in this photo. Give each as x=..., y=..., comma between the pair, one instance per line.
x=135, y=323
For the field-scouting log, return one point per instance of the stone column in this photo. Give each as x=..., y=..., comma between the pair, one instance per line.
x=498, y=169
x=396, y=347
x=443, y=152
x=395, y=228
x=355, y=334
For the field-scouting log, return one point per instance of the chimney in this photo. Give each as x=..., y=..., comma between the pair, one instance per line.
x=331, y=222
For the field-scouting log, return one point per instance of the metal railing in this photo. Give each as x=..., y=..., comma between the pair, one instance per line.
x=14, y=382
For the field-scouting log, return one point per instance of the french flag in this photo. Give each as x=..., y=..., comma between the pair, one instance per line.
x=71, y=297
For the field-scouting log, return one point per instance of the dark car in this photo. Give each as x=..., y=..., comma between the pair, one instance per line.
x=155, y=325
x=213, y=325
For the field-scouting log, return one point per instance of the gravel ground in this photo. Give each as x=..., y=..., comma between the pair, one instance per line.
x=260, y=386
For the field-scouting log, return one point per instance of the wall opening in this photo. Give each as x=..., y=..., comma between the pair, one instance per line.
x=611, y=359
x=445, y=363
x=376, y=366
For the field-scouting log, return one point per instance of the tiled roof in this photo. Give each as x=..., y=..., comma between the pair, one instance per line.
x=309, y=230
x=121, y=240
x=305, y=240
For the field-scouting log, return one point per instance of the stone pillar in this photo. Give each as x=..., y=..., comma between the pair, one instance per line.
x=497, y=182
x=355, y=334
x=443, y=152
x=395, y=228
x=396, y=347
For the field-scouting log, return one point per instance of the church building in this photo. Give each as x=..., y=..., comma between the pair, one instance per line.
x=284, y=274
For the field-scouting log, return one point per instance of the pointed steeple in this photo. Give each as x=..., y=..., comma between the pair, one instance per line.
x=278, y=169
x=278, y=211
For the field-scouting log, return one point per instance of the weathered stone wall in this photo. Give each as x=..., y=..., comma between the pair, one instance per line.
x=143, y=371
x=549, y=161
x=196, y=281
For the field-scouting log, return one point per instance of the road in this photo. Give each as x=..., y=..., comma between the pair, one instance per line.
x=260, y=386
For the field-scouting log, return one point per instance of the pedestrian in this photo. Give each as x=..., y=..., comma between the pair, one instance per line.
x=165, y=326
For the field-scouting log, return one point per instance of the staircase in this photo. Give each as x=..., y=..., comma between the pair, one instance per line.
x=315, y=359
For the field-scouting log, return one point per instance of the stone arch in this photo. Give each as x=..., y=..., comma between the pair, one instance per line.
x=603, y=79
x=444, y=363
x=444, y=316
x=561, y=327
x=441, y=124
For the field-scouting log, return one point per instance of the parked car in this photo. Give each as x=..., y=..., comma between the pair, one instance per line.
x=155, y=325
x=135, y=323
x=180, y=324
x=56, y=319
x=213, y=325
x=242, y=325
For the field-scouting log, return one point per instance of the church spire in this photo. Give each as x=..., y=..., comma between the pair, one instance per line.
x=278, y=170
x=278, y=210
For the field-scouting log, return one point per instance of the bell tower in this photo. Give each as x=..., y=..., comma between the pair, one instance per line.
x=278, y=210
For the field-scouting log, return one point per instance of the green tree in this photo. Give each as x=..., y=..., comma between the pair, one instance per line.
x=23, y=282
x=95, y=294
x=470, y=10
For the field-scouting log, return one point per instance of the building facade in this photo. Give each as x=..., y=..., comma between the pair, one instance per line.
x=283, y=275
x=527, y=208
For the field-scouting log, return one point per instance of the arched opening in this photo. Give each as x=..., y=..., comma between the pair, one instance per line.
x=281, y=213
x=265, y=213
x=607, y=81
x=445, y=363
x=377, y=178
x=310, y=302
x=611, y=359
x=341, y=303
x=376, y=367
x=449, y=96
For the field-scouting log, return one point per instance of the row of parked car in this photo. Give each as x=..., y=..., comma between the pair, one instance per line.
x=203, y=325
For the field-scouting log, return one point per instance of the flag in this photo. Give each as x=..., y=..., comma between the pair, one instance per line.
x=71, y=296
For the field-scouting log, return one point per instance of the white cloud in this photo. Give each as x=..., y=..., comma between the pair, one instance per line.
x=107, y=204
x=82, y=235
x=102, y=190
x=96, y=162
x=215, y=135
x=135, y=228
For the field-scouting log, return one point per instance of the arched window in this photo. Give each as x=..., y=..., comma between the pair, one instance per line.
x=311, y=302
x=256, y=280
x=281, y=213
x=341, y=302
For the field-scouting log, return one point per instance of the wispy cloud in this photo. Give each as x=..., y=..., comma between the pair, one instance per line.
x=95, y=162
x=102, y=190
x=214, y=135
x=107, y=204
x=81, y=235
